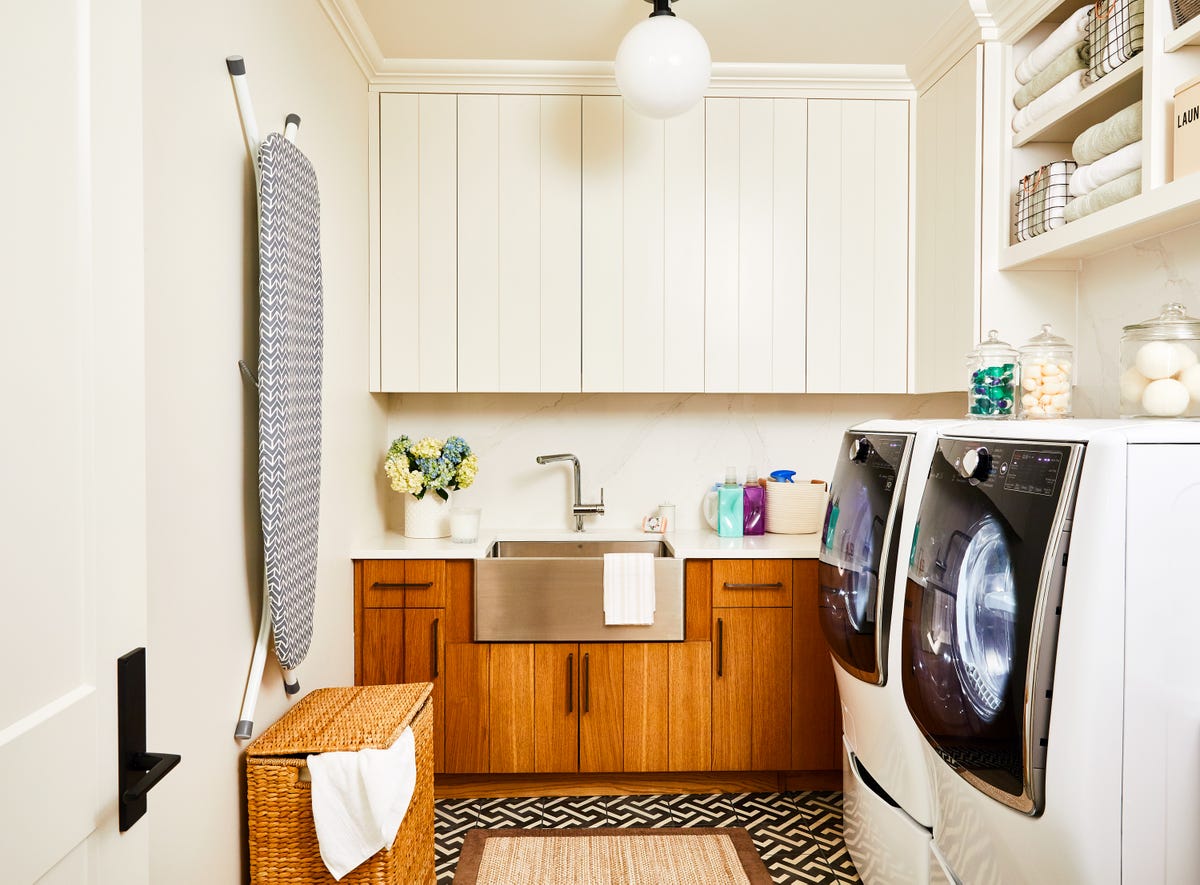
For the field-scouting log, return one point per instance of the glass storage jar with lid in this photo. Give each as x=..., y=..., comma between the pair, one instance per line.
x=1047, y=364
x=993, y=371
x=1160, y=374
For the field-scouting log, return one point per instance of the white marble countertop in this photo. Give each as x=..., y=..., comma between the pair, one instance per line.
x=699, y=544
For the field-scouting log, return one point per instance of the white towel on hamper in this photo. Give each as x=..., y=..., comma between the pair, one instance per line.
x=1063, y=38
x=359, y=800
x=628, y=588
x=1055, y=97
x=1109, y=168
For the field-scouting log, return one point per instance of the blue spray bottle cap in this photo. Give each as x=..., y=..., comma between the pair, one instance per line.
x=783, y=475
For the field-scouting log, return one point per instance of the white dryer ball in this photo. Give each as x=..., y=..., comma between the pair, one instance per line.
x=1165, y=398
x=1133, y=385
x=1190, y=378
x=1186, y=356
x=1159, y=359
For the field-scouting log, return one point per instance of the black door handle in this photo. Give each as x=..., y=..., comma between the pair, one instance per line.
x=156, y=766
x=137, y=770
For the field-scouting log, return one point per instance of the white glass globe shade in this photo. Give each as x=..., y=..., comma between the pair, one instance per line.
x=663, y=66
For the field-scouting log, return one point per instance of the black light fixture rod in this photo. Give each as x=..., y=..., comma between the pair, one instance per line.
x=661, y=7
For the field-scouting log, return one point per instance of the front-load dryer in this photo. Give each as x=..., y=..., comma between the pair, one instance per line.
x=877, y=484
x=1048, y=621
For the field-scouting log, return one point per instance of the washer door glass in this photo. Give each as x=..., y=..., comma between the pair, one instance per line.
x=853, y=557
x=986, y=629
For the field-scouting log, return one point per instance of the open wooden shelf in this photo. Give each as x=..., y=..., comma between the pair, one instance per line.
x=1187, y=34
x=1097, y=102
x=1163, y=209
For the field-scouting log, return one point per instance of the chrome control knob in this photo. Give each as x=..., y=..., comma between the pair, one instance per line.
x=976, y=464
x=860, y=450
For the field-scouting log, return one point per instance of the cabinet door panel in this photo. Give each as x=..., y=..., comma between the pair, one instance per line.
x=478, y=242
x=771, y=711
x=643, y=255
x=425, y=583
x=646, y=686
x=556, y=708
x=418, y=266
x=511, y=707
x=755, y=242
x=689, y=706
x=732, y=689
x=816, y=717
x=424, y=661
x=383, y=583
x=857, y=246
x=383, y=646
x=774, y=580
x=467, y=708
x=732, y=581
x=601, y=708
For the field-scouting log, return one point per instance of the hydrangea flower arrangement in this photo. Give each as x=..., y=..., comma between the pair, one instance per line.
x=429, y=464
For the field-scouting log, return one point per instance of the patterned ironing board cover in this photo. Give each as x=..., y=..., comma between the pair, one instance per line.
x=291, y=332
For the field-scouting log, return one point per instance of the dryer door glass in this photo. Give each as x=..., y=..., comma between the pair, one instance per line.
x=974, y=603
x=858, y=552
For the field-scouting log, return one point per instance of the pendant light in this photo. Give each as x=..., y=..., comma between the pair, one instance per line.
x=663, y=65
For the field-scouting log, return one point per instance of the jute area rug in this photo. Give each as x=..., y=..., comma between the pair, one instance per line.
x=610, y=856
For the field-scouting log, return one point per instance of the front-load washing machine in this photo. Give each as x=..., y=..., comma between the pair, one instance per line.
x=877, y=484
x=1048, y=651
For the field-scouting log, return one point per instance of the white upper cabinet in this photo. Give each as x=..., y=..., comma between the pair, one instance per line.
x=754, y=286
x=948, y=236
x=518, y=243
x=417, y=319
x=643, y=249
x=858, y=246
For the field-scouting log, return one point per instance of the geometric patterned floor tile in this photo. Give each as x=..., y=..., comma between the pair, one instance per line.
x=499, y=814
x=639, y=811
x=798, y=835
x=771, y=810
x=703, y=810
x=574, y=811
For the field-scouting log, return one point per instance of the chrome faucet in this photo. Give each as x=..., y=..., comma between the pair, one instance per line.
x=579, y=508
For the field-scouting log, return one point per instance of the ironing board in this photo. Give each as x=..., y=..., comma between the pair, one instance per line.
x=288, y=386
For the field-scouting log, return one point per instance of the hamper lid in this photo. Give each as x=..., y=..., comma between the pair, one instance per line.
x=335, y=719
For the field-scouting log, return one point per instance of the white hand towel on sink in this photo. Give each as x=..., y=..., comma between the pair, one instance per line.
x=359, y=800
x=628, y=588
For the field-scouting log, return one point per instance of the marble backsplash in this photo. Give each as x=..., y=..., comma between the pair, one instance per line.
x=644, y=449
x=1127, y=286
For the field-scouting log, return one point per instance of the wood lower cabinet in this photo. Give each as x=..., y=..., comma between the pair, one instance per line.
x=750, y=689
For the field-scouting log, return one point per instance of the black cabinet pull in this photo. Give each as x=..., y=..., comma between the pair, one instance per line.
x=385, y=585
x=720, y=646
x=435, y=647
x=137, y=770
x=778, y=585
x=571, y=683
x=587, y=684
x=155, y=766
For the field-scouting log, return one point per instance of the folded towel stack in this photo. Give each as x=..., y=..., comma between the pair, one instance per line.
x=1054, y=72
x=1115, y=35
x=1109, y=155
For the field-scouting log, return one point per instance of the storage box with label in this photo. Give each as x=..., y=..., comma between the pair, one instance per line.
x=1187, y=128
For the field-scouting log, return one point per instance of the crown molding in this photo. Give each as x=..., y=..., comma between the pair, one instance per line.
x=971, y=24
x=1015, y=18
x=347, y=19
x=596, y=77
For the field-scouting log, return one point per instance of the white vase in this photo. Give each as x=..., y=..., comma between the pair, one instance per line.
x=427, y=518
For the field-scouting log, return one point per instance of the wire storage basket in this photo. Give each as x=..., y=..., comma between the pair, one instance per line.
x=283, y=838
x=1183, y=11
x=1114, y=35
x=1041, y=198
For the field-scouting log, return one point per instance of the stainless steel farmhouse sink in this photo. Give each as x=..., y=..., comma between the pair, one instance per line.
x=553, y=591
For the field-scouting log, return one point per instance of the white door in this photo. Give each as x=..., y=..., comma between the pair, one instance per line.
x=72, y=432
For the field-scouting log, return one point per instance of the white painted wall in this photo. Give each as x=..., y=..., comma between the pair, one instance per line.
x=1122, y=287
x=644, y=449
x=201, y=283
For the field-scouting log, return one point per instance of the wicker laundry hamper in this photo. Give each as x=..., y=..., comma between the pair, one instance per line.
x=283, y=840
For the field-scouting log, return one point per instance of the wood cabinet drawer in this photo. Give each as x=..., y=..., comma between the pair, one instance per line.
x=401, y=583
x=757, y=583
